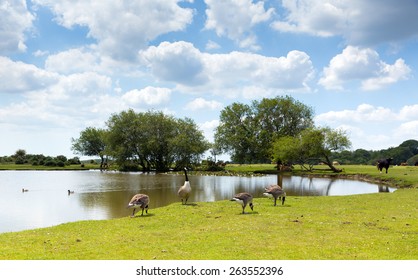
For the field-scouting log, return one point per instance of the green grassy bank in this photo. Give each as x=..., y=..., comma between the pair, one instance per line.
x=373, y=226
x=397, y=176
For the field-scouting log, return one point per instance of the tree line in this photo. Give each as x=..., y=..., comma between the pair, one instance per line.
x=405, y=153
x=146, y=140
x=249, y=133
x=22, y=157
x=279, y=130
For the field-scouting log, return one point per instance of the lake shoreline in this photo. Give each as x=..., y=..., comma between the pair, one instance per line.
x=350, y=172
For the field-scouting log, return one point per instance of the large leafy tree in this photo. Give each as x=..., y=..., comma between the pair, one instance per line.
x=311, y=146
x=92, y=142
x=154, y=140
x=247, y=132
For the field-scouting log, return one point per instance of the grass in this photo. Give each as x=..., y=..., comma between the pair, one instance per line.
x=13, y=166
x=399, y=176
x=381, y=226
x=374, y=226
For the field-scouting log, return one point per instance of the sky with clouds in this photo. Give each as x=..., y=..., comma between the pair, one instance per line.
x=66, y=65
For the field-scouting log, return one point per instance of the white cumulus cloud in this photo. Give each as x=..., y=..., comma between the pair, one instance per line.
x=19, y=77
x=202, y=104
x=362, y=23
x=121, y=28
x=364, y=66
x=15, y=21
x=182, y=63
x=236, y=18
x=147, y=96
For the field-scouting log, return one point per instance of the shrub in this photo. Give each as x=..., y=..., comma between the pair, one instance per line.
x=50, y=163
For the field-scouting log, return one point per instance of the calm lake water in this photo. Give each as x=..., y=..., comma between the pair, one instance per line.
x=104, y=195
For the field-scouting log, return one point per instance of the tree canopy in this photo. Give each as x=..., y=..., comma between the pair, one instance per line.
x=311, y=146
x=247, y=132
x=92, y=142
x=154, y=140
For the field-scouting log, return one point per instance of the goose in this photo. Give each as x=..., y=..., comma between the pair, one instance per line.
x=24, y=190
x=70, y=192
x=139, y=201
x=275, y=191
x=244, y=199
x=185, y=190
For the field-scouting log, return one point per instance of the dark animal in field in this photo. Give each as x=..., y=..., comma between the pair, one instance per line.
x=243, y=199
x=139, y=201
x=384, y=163
x=275, y=191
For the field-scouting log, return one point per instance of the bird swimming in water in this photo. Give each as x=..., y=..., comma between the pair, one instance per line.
x=24, y=190
x=70, y=192
x=244, y=199
x=185, y=190
x=139, y=201
x=275, y=191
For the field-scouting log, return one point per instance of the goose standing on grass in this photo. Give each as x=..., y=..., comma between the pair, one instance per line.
x=185, y=190
x=139, y=201
x=244, y=199
x=275, y=191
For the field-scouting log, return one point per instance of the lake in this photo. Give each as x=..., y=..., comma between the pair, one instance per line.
x=104, y=195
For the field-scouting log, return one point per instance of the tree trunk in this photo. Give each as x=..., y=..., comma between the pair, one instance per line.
x=328, y=162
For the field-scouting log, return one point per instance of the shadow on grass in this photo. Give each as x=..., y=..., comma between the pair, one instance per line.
x=190, y=204
x=149, y=215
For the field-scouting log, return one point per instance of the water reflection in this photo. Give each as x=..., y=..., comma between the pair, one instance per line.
x=104, y=195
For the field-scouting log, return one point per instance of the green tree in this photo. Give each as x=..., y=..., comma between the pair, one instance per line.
x=126, y=132
x=247, y=132
x=235, y=134
x=154, y=140
x=92, y=142
x=310, y=146
x=188, y=144
x=20, y=156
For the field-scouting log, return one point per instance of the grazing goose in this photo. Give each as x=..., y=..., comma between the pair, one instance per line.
x=185, y=190
x=276, y=192
x=139, y=201
x=70, y=192
x=24, y=190
x=244, y=199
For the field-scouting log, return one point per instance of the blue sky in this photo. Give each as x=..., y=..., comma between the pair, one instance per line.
x=66, y=65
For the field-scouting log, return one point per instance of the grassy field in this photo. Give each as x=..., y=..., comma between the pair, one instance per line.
x=13, y=166
x=373, y=226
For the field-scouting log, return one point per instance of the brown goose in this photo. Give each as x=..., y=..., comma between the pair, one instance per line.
x=139, y=201
x=185, y=190
x=244, y=199
x=276, y=192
